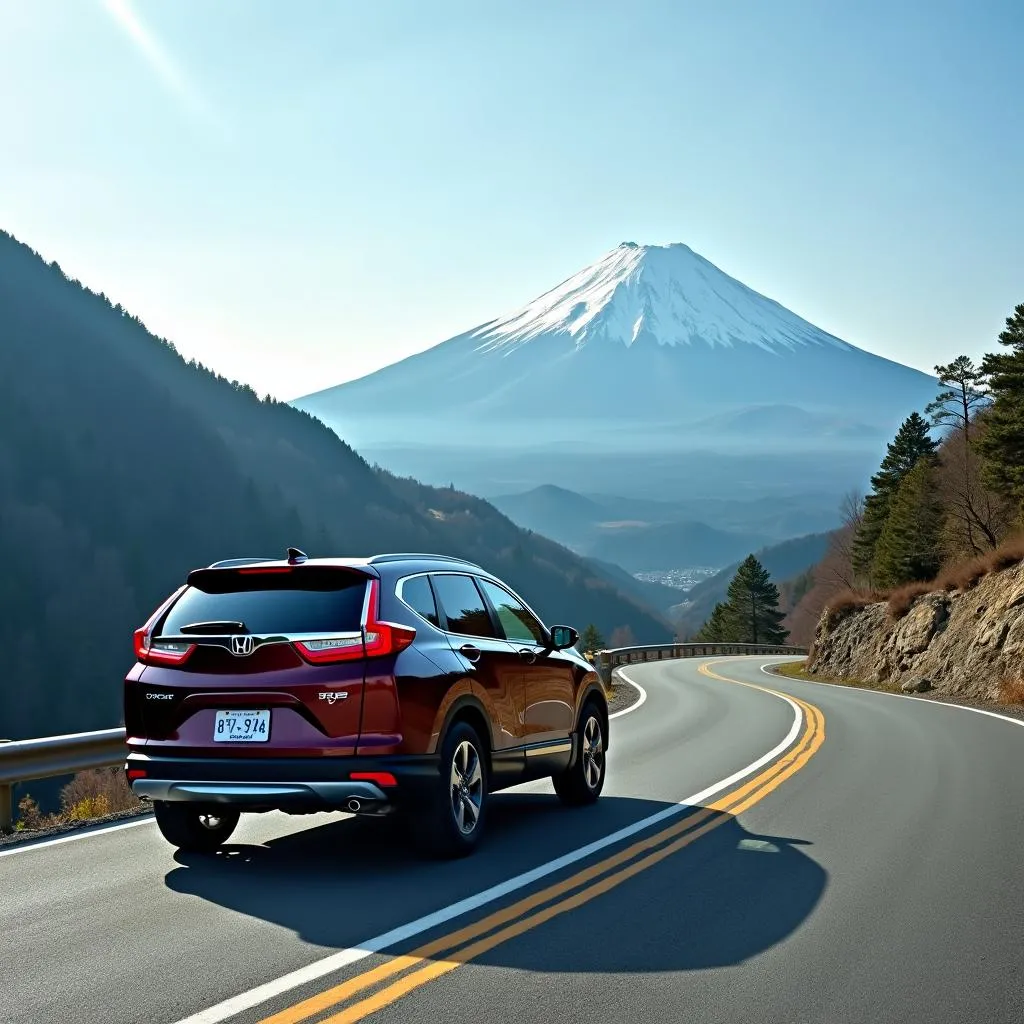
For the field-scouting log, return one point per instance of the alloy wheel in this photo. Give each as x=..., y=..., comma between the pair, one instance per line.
x=467, y=787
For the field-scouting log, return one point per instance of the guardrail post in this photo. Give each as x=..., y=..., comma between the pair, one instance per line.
x=6, y=807
x=6, y=804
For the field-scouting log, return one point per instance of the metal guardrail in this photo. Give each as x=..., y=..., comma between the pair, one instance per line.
x=607, y=661
x=27, y=760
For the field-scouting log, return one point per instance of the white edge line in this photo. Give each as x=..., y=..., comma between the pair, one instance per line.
x=335, y=961
x=57, y=840
x=635, y=705
x=902, y=696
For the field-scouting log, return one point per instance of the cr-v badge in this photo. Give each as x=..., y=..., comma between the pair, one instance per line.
x=331, y=697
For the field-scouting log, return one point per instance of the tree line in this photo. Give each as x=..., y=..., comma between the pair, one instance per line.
x=951, y=485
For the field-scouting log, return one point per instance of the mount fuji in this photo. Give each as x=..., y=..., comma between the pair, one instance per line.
x=651, y=347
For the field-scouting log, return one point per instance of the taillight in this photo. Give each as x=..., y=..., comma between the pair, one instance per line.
x=160, y=652
x=380, y=638
x=329, y=649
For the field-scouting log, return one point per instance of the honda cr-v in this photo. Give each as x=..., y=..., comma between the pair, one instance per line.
x=407, y=682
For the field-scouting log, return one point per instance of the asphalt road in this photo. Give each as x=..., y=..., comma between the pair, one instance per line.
x=839, y=856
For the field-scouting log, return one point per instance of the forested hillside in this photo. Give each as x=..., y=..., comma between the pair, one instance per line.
x=947, y=503
x=122, y=466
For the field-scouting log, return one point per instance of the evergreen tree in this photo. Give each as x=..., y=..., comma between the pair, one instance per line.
x=909, y=547
x=911, y=443
x=719, y=629
x=751, y=612
x=591, y=640
x=1002, y=444
x=963, y=391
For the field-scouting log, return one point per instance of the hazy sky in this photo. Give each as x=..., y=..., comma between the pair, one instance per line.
x=300, y=192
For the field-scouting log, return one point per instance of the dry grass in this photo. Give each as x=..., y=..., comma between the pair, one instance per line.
x=798, y=670
x=1011, y=691
x=902, y=599
x=968, y=574
x=961, y=577
x=847, y=601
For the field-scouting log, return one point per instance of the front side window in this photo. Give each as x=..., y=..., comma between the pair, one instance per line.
x=463, y=606
x=516, y=622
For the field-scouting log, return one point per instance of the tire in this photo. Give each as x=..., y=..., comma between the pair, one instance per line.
x=194, y=829
x=450, y=822
x=581, y=784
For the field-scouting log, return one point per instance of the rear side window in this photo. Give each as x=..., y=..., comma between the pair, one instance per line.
x=463, y=606
x=416, y=593
x=303, y=601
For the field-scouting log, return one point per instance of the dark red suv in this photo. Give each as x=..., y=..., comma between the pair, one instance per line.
x=406, y=682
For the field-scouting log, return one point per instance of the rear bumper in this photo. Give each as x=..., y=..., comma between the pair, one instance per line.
x=288, y=784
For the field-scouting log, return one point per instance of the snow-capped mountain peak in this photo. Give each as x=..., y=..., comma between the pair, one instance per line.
x=666, y=293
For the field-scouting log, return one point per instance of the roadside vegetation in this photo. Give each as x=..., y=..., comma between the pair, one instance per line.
x=88, y=796
x=946, y=506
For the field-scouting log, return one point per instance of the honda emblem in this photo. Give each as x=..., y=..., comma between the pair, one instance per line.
x=242, y=645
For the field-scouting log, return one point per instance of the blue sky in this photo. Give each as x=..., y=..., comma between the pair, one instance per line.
x=298, y=193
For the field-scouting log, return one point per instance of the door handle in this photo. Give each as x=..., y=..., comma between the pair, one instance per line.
x=470, y=652
x=527, y=655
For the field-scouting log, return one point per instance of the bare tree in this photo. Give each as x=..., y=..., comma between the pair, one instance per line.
x=976, y=517
x=836, y=568
x=956, y=407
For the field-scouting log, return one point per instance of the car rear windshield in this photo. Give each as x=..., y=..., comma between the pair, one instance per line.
x=311, y=600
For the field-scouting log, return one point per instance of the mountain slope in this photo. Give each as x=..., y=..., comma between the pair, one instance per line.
x=639, y=345
x=122, y=467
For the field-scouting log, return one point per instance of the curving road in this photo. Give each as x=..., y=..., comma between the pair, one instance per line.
x=809, y=854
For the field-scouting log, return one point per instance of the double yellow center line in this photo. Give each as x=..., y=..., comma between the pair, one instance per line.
x=444, y=954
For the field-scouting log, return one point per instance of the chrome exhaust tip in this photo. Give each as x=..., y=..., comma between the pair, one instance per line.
x=353, y=805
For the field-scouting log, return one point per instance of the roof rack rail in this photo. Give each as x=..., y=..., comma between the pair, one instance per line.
x=410, y=555
x=228, y=563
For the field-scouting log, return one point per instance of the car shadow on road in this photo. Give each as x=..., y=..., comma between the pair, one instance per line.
x=726, y=896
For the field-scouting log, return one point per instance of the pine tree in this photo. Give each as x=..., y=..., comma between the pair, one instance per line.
x=909, y=547
x=911, y=443
x=751, y=614
x=963, y=391
x=591, y=640
x=1002, y=444
x=718, y=629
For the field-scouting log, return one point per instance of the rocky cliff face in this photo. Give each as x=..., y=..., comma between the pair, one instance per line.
x=961, y=643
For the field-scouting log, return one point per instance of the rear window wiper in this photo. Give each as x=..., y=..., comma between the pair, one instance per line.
x=215, y=626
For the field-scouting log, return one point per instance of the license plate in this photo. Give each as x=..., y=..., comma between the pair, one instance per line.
x=242, y=726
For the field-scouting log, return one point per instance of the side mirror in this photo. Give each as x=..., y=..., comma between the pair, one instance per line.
x=563, y=637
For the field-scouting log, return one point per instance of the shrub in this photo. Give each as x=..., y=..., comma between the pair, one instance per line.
x=100, y=788
x=88, y=808
x=30, y=817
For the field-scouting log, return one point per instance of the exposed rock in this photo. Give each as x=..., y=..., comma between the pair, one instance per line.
x=915, y=685
x=960, y=643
